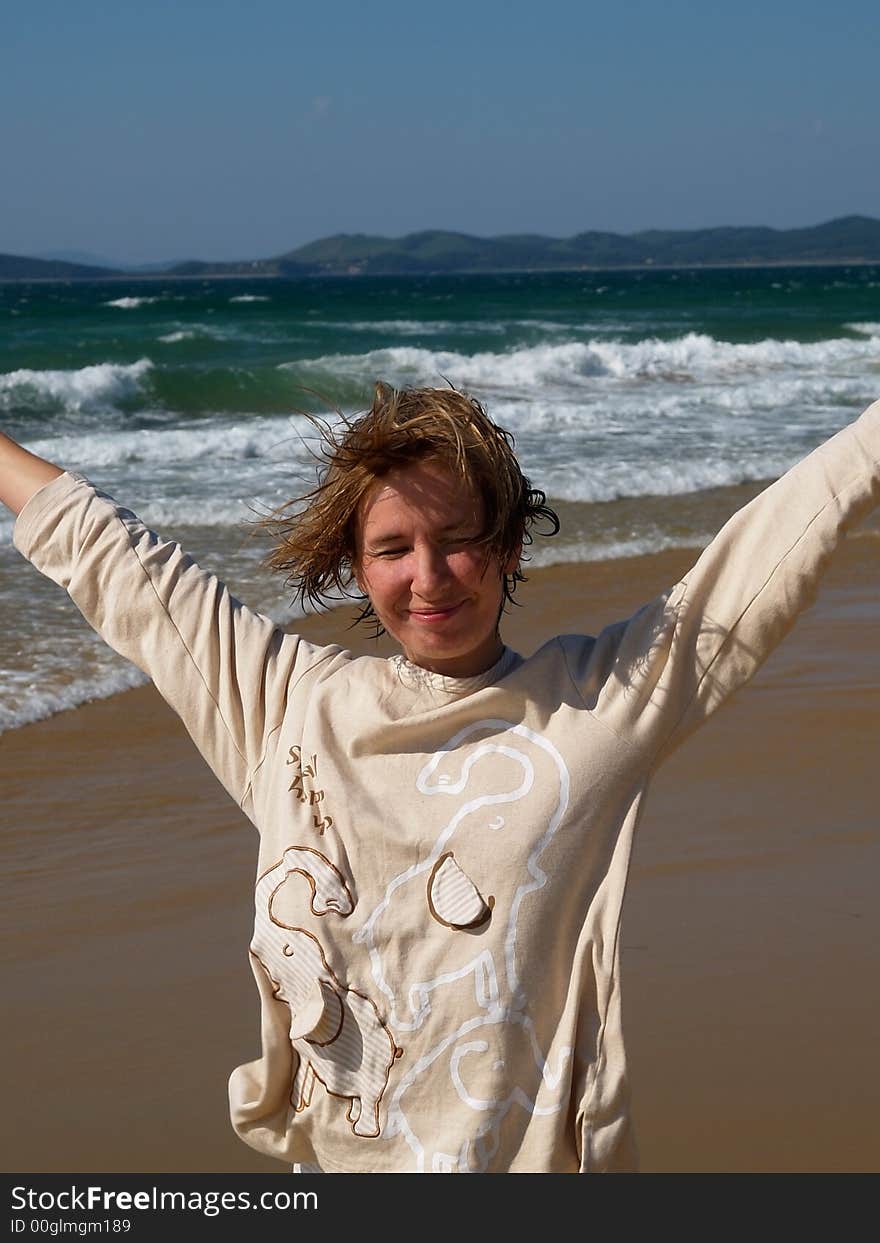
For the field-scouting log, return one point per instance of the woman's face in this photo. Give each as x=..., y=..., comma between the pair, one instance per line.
x=430, y=582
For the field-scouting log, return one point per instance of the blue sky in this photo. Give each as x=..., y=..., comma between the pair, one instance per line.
x=209, y=129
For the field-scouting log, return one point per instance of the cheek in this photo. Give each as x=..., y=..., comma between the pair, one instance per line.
x=471, y=567
x=380, y=583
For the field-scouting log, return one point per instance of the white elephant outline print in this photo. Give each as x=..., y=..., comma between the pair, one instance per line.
x=499, y=998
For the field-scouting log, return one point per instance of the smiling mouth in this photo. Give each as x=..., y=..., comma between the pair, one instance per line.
x=436, y=614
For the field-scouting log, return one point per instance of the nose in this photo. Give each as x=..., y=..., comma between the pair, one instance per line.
x=430, y=572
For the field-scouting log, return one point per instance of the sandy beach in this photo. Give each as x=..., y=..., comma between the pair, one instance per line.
x=750, y=934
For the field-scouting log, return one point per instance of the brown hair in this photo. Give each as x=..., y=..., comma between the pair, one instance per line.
x=316, y=535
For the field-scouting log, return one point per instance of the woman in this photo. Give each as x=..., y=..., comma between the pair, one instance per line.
x=445, y=835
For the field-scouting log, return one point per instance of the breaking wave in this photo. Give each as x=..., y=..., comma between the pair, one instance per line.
x=99, y=387
x=694, y=357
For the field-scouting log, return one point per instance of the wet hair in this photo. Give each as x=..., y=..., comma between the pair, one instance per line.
x=316, y=535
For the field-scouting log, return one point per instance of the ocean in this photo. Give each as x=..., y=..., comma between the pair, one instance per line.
x=648, y=405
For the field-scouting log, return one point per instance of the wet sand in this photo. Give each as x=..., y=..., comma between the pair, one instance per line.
x=750, y=936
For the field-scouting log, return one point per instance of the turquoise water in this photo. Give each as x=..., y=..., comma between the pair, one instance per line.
x=641, y=402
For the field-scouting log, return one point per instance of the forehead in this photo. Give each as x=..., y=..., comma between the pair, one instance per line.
x=427, y=493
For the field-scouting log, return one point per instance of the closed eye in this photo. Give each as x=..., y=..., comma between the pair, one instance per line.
x=455, y=541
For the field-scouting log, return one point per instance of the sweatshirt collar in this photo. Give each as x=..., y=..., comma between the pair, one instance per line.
x=423, y=679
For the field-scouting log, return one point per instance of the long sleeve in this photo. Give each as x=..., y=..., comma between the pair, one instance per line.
x=225, y=670
x=657, y=677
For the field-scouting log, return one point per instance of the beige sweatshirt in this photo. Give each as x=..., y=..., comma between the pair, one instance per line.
x=442, y=861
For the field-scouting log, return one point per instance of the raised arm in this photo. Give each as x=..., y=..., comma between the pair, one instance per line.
x=21, y=474
x=228, y=672
x=657, y=677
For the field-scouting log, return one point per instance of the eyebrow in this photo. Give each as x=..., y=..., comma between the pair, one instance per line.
x=391, y=537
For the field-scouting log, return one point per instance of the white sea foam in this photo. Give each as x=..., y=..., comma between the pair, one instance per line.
x=232, y=333
x=403, y=327
x=35, y=705
x=614, y=550
x=416, y=327
x=579, y=445
x=614, y=480
x=250, y=297
x=210, y=441
x=172, y=510
x=492, y=327
x=413, y=327
x=868, y=328
x=67, y=665
x=128, y=304
x=584, y=365
x=214, y=473
x=219, y=479
x=605, y=326
x=89, y=388
x=207, y=332
x=171, y=338
x=767, y=411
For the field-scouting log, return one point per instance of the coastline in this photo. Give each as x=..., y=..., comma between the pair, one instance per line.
x=749, y=930
x=645, y=266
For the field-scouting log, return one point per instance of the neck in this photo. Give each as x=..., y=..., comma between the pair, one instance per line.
x=469, y=665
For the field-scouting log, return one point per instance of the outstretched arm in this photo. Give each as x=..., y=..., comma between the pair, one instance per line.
x=226, y=671
x=659, y=676
x=22, y=474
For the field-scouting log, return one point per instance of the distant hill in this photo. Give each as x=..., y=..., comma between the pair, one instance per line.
x=88, y=259
x=851, y=239
x=83, y=258
x=848, y=240
x=19, y=268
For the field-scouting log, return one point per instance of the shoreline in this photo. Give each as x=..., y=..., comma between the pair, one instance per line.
x=748, y=940
x=656, y=569
x=646, y=266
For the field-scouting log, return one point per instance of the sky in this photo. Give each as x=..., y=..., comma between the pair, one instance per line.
x=148, y=132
